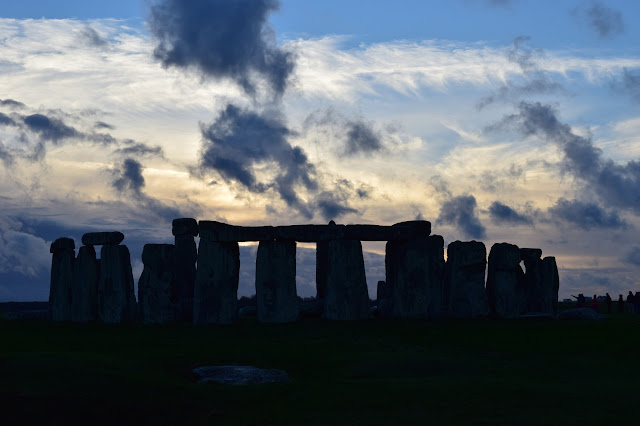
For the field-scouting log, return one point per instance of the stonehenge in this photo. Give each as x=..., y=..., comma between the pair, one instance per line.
x=182, y=282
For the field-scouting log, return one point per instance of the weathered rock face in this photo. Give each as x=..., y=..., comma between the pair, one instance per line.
x=216, y=286
x=322, y=263
x=85, y=286
x=414, y=271
x=60, y=289
x=551, y=284
x=186, y=255
x=505, y=281
x=346, y=295
x=157, y=288
x=383, y=296
x=465, y=292
x=185, y=226
x=276, y=281
x=534, y=291
x=116, y=300
x=102, y=238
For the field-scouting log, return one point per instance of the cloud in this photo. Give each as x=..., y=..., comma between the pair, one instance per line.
x=129, y=177
x=617, y=185
x=332, y=205
x=103, y=125
x=586, y=215
x=5, y=120
x=362, y=138
x=6, y=156
x=605, y=20
x=221, y=39
x=21, y=251
x=139, y=149
x=91, y=37
x=633, y=256
x=11, y=103
x=628, y=84
x=49, y=128
x=501, y=213
x=461, y=211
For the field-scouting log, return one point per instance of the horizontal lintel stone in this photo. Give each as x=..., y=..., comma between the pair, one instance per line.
x=102, y=238
x=222, y=232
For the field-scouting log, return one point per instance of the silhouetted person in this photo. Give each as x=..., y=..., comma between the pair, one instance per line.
x=609, y=302
x=620, y=304
x=594, y=303
x=630, y=297
x=580, y=300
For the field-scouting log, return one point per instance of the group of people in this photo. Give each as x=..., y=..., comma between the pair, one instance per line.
x=633, y=301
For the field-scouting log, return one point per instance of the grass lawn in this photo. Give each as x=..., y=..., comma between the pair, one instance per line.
x=357, y=373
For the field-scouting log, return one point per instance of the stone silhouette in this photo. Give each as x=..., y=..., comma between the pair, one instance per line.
x=185, y=257
x=551, y=285
x=84, y=291
x=383, y=296
x=158, y=293
x=102, y=238
x=62, y=268
x=116, y=299
x=465, y=293
x=505, y=281
x=276, y=281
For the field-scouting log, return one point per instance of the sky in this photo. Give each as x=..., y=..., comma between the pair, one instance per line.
x=496, y=120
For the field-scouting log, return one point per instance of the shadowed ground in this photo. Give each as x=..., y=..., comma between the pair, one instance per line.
x=371, y=372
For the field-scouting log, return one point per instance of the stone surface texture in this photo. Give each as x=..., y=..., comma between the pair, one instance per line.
x=465, y=294
x=505, y=281
x=158, y=301
x=216, y=286
x=347, y=297
x=276, y=282
x=60, y=288
x=116, y=300
x=84, y=291
x=102, y=238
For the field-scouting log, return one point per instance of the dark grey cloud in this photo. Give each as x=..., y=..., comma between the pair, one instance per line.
x=6, y=156
x=91, y=37
x=5, y=120
x=221, y=39
x=12, y=103
x=586, y=215
x=633, y=256
x=239, y=141
x=332, y=205
x=501, y=213
x=139, y=149
x=617, y=185
x=128, y=178
x=534, y=81
x=461, y=211
x=362, y=138
x=103, y=125
x=50, y=128
x=605, y=20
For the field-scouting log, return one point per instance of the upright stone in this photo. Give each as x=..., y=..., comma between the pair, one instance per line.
x=216, y=286
x=158, y=299
x=276, y=281
x=505, y=281
x=116, y=300
x=346, y=295
x=533, y=285
x=85, y=286
x=465, y=294
x=414, y=270
x=550, y=284
x=185, y=255
x=60, y=288
x=383, y=299
x=322, y=264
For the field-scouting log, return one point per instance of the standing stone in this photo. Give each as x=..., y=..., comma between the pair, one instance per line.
x=157, y=288
x=276, y=281
x=346, y=295
x=185, y=256
x=383, y=296
x=322, y=264
x=465, y=294
x=116, y=300
x=216, y=288
x=505, y=281
x=85, y=286
x=414, y=276
x=533, y=285
x=550, y=284
x=60, y=289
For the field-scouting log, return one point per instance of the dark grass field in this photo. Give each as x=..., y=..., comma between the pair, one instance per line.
x=377, y=372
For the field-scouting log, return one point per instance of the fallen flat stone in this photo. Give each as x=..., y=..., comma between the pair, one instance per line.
x=240, y=375
x=62, y=244
x=465, y=292
x=102, y=238
x=185, y=226
x=85, y=286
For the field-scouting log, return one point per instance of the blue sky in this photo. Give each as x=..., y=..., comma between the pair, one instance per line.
x=511, y=121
